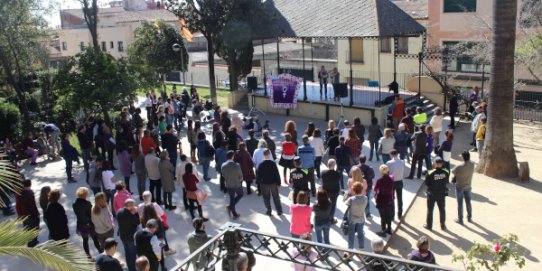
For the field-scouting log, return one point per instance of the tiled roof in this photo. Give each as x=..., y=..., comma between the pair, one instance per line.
x=417, y=9
x=337, y=19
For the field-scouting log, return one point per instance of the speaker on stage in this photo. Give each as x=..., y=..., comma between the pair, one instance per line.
x=252, y=82
x=342, y=90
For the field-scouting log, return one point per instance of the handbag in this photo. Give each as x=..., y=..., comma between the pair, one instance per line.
x=201, y=196
x=345, y=224
x=164, y=221
x=191, y=195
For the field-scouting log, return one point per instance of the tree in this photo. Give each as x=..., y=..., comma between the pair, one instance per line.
x=234, y=44
x=95, y=82
x=151, y=52
x=209, y=18
x=498, y=156
x=529, y=51
x=20, y=33
x=90, y=11
x=55, y=255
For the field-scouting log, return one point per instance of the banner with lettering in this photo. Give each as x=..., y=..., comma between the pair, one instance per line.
x=284, y=90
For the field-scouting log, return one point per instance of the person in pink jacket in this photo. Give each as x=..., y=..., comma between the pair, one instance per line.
x=301, y=215
x=121, y=196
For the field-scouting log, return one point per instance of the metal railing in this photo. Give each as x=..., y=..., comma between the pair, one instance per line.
x=528, y=106
x=281, y=248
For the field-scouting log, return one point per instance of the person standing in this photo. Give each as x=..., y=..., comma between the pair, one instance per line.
x=106, y=261
x=85, y=142
x=52, y=131
x=354, y=143
x=476, y=124
x=152, y=165
x=445, y=150
x=190, y=181
x=121, y=195
x=356, y=216
x=343, y=156
x=430, y=146
x=147, y=244
x=374, y=135
x=402, y=141
x=270, y=144
x=251, y=142
x=397, y=170
x=463, y=186
x=181, y=169
x=420, y=152
x=481, y=137
x=288, y=153
x=386, y=144
x=140, y=171
x=167, y=176
x=397, y=111
x=196, y=239
x=336, y=81
x=70, y=154
x=95, y=175
x=301, y=215
x=102, y=219
x=307, y=155
x=205, y=154
x=453, y=109
x=322, y=216
x=436, y=182
x=317, y=143
x=170, y=143
x=384, y=200
x=233, y=179
x=25, y=204
x=368, y=176
x=322, y=78
x=436, y=123
x=128, y=220
x=125, y=163
x=268, y=178
x=332, y=143
x=109, y=184
x=57, y=221
x=299, y=179
x=331, y=184
x=244, y=159
x=82, y=209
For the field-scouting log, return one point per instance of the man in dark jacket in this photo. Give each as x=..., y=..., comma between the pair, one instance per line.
x=26, y=207
x=368, y=175
x=251, y=142
x=86, y=145
x=453, y=107
x=197, y=239
x=268, y=177
x=420, y=152
x=270, y=144
x=170, y=143
x=343, y=155
x=331, y=183
x=299, y=178
x=147, y=244
x=233, y=180
x=128, y=220
x=436, y=182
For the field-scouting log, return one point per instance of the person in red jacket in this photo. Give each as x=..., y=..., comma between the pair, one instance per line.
x=147, y=142
x=397, y=111
x=26, y=207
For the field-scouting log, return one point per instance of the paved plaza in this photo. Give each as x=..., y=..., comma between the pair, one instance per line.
x=499, y=207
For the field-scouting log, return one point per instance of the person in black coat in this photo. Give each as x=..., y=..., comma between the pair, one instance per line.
x=57, y=221
x=170, y=143
x=128, y=220
x=251, y=142
x=82, y=208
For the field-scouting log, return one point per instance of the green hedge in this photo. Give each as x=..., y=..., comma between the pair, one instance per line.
x=10, y=121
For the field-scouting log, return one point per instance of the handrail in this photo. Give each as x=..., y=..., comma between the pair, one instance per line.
x=278, y=247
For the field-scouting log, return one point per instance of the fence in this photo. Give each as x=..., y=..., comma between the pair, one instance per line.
x=283, y=248
x=528, y=106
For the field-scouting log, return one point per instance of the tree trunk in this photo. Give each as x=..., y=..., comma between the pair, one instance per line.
x=498, y=156
x=211, y=63
x=19, y=88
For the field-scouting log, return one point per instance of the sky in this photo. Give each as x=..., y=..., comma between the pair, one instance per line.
x=53, y=17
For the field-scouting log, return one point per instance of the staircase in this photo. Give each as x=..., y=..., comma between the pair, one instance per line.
x=427, y=105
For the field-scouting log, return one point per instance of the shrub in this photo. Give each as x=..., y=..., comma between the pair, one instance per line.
x=10, y=121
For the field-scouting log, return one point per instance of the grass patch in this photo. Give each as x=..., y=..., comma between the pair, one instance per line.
x=204, y=93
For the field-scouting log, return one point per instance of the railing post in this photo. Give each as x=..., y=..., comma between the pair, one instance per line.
x=351, y=73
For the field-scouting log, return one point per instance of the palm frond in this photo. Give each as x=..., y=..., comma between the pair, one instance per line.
x=55, y=255
x=10, y=180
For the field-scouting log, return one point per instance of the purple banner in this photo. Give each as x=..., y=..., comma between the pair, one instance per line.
x=284, y=89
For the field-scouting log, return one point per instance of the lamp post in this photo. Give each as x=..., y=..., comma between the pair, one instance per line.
x=177, y=48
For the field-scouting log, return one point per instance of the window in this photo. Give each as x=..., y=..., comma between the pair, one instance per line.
x=462, y=63
x=459, y=6
x=82, y=46
x=402, y=45
x=357, y=50
x=385, y=45
x=104, y=47
x=120, y=46
x=64, y=46
x=111, y=45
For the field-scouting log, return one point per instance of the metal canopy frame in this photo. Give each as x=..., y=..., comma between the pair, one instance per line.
x=279, y=247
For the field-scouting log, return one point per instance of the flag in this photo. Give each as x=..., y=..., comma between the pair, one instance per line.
x=184, y=30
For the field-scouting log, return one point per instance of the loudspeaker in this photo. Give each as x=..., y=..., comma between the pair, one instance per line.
x=252, y=82
x=341, y=90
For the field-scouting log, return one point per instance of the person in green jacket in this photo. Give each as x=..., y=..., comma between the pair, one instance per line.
x=197, y=239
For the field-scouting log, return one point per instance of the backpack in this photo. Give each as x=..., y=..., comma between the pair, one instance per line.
x=209, y=150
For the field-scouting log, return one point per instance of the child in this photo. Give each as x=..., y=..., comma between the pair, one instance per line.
x=481, y=136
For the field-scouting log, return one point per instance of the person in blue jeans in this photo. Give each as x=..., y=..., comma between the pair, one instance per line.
x=322, y=216
x=374, y=135
x=203, y=155
x=430, y=146
x=356, y=216
x=343, y=156
x=463, y=186
x=233, y=180
x=70, y=154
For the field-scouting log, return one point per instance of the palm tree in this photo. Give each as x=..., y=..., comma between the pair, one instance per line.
x=54, y=255
x=498, y=156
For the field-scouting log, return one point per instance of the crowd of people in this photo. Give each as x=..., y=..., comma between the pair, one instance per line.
x=324, y=165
